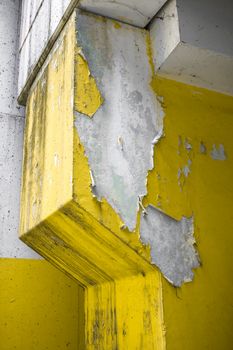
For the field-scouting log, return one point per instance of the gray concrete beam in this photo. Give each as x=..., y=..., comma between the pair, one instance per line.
x=192, y=43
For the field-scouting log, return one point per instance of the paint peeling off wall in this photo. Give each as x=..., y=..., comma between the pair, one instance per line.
x=87, y=98
x=218, y=153
x=119, y=139
x=172, y=245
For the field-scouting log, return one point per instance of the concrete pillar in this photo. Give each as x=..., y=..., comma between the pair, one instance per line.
x=38, y=303
x=11, y=138
x=124, y=170
x=192, y=43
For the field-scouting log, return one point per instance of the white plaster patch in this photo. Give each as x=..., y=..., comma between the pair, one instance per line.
x=172, y=245
x=186, y=168
x=202, y=148
x=218, y=153
x=187, y=145
x=119, y=139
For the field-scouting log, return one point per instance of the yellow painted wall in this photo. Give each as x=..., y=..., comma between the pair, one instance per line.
x=199, y=315
x=39, y=306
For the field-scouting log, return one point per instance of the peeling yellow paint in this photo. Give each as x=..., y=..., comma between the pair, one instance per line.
x=87, y=98
x=62, y=220
x=195, y=117
x=82, y=237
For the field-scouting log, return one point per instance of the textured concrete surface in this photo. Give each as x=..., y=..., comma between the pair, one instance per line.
x=192, y=43
x=135, y=12
x=43, y=20
x=171, y=244
x=119, y=138
x=11, y=135
x=11, y=145
x=40, y=26
x=9, y=37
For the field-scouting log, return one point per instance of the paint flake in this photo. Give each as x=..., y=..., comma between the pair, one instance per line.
x=172, y=245
x=218, y=153
x=119, y=139
x=202, y=148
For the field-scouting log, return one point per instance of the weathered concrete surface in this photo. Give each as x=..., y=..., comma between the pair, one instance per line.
x=119, y=138
x=11, y=135
x=29, y=10
x=11, y=146
x=171, y=244
x=122, y=288
x=43, y=25
x=9, y=20
x=42, y=22
x=164, y=33
x=192, y=43
x=135, y=12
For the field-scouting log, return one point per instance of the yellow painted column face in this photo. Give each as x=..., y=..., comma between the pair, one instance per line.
x=125, y=314
x=48, y=142
x=63, y=220
x=65, y=223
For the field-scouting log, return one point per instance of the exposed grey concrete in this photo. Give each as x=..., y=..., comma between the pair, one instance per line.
x=171, y=244
x=29, y=10
x=119, y=139
x=164, y=33
x=9, y=37
x=42, y=21
x=11, y=135
x=38, y=36
x=135, y=12
x=207, y=24
x=192, y=43
x=218, y=152
x=11, y=146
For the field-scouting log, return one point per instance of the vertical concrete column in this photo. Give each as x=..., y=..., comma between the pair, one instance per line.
x=11, y=134
x=86, y=137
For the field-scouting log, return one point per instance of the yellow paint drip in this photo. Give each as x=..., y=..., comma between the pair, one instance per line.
x=87, y=97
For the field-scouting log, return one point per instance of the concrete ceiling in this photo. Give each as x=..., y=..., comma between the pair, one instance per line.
x=135, y=12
